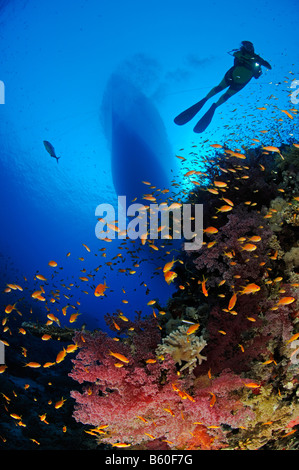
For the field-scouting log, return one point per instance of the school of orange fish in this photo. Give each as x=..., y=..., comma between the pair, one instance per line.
x=48, y=298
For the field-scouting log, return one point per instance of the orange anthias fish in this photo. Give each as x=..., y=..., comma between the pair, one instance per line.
x=73, y=317
x=100, y=289
x=250, y=289
x=270, y=148
x=252, y=385
x=220, y=184
x=59, y=403
x=191, y=172
x=293, y=338
x=216, y=146
x=71, y=348
x=228, y=201
x=255, y=238
x=60, y=356
x=287, y=113
x=210, y=230
x=249, y=247
x=49, y=364
x=52, y=317
x=213, y=399
x=235, y=154
x=151, y=361
x=46, y=337
x=34, y=365
x=119, y=356
x=170, y=276
x=10, y=308
x=225, y=208
x=192, y=328
x=286, y=300
x=169, y=265
x=121, y=444
x=116, y=325
x=203, y=288
x=40, y=277
x=53, y=264
x=212, y=191
x=232, y=302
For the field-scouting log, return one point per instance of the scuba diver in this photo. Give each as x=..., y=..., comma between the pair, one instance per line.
x=247, y=64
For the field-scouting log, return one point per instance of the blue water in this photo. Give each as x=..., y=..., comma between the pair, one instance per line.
x=56, y=60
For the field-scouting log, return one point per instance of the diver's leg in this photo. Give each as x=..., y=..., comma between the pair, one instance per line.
x=189, y=113
x=222, y=85
x=207, y=118
x=223, y=98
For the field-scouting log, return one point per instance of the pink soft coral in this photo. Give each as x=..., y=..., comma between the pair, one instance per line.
x=146, y=401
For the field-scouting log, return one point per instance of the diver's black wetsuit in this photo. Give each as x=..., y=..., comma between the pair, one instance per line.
x=247, y=65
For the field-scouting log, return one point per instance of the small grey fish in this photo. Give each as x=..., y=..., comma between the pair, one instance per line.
x=50, y=149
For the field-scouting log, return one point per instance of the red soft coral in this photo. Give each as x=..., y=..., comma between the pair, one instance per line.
x=146, y=402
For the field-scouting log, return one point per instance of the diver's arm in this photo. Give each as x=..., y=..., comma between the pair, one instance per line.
x=237, y=55
x=263, y=62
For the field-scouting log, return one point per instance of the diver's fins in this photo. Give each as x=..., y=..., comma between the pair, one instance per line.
x=205, y=120
x=189, y=113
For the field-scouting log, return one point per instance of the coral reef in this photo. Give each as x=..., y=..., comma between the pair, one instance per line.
x=242, y=287
x=143, y=400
